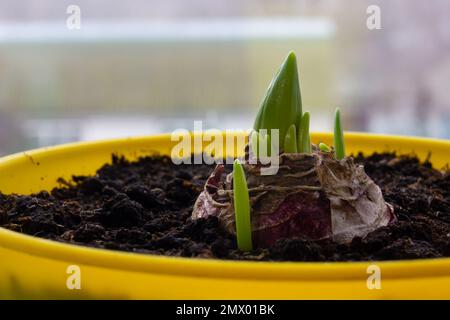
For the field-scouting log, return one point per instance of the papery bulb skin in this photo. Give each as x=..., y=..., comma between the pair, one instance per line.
x=312, y=195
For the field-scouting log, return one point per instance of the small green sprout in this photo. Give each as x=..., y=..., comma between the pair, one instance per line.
x=290, y=141
x=323, y=147
x=339, y=146
x=282, y=105
x=264, y=145
x=242, y=208
x=254, y=138
x=304, y=141
x=261, y=144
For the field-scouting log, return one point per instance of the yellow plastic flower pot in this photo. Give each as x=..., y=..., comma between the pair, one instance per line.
x=36, y=268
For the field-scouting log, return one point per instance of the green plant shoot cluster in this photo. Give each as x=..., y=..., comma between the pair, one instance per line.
x=281, y=109
x=281, y=106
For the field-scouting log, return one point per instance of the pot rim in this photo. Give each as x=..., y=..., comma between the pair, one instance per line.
x=216, y=268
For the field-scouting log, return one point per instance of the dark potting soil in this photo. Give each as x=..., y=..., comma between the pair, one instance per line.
x=145, y=207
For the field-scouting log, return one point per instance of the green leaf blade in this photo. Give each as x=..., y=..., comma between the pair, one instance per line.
x=242, y=208
x=304, y=137
x=339, y=145
x=254, y=141
x=281, y=106
x=290, y=141
x=264, y=145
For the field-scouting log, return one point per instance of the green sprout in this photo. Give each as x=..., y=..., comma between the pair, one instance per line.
x=242, y=208
x=254, y=138
x=290, y=141
x=339, y=146
x=282, y=105
x=281, y=109
x=304, y=140
x=264, y=145
x=323, y=147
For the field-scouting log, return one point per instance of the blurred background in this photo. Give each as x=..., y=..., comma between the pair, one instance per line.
x=147, y=66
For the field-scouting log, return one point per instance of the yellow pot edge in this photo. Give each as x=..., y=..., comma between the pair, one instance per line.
x=193, y=267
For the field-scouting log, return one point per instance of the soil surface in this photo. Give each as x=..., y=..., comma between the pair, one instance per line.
x=145, y=206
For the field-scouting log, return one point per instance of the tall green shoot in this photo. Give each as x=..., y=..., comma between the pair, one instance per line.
x=339, y=147
x=242, y=208
x=304, y=139
x=290, y=141
x=281, y=106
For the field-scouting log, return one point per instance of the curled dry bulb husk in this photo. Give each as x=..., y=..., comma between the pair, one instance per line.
x=312, y=195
